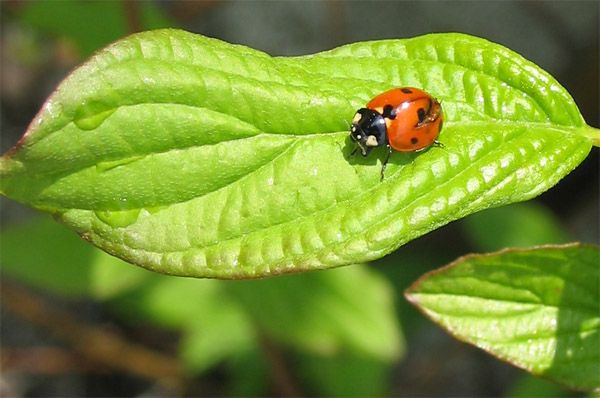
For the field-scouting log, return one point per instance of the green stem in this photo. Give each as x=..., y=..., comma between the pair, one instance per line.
x=592, y=133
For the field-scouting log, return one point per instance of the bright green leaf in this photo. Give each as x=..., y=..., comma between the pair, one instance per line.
x=538, y=309
x=191, y=156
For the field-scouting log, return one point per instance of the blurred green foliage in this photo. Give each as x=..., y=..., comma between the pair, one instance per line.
x=91, y=25
x=344, y=316
x=518, y=225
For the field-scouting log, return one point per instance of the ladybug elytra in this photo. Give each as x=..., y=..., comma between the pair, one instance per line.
x=403, y=119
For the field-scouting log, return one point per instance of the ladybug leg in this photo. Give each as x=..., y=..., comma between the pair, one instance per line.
x=435, y=144
x=365, y=153
x=385, y=162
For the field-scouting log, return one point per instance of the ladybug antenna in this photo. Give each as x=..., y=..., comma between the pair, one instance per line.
x=347, y=124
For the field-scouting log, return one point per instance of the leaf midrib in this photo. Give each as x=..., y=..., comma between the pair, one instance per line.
x=366, y=193
x=448, y=125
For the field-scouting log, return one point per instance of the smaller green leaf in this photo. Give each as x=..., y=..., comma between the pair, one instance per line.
x=538, y=308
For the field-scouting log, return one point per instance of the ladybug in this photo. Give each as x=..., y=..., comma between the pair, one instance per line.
x=405, y=119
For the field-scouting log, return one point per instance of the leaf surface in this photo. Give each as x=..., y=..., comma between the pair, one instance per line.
x=190, y=156
x=536, y=308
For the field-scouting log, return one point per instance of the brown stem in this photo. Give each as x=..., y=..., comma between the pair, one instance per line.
x=284, y=381
x=96, y=344
x=132, y=15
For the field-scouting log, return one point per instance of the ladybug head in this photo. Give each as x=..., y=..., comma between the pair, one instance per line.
x=368, y=130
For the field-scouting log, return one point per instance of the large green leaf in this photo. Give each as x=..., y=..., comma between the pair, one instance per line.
x=191, y=156
x=536, y=308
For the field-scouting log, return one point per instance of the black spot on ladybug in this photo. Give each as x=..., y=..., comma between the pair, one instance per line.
x=389, y=112
x=421, y=114
x=414, y=140
x=406, y=90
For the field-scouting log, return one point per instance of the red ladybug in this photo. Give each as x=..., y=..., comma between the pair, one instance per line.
x=405, y=119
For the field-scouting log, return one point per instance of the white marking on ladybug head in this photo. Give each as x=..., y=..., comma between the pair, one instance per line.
x=371, y=141
x=356, y=118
